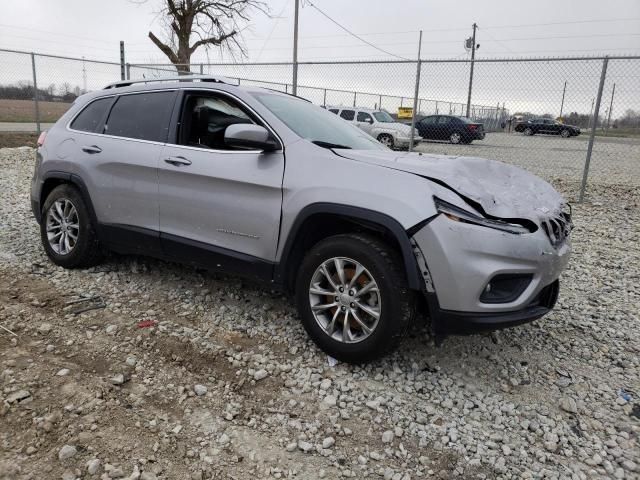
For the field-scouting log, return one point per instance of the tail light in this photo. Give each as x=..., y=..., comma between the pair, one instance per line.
x=41, y=138
x=472, y=127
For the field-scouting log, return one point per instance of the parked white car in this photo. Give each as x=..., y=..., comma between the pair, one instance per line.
x=380, y=125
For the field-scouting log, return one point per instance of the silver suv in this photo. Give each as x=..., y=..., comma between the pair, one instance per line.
x=266, y=185
x=380, y=125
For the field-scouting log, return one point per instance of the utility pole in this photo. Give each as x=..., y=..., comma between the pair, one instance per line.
x=295, y=49
x=613, y=92
x=562, y=103
x=415, y=95
x=473, y=57
x=122, y=72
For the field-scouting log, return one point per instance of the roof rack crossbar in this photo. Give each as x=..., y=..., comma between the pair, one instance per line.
x=181, y=78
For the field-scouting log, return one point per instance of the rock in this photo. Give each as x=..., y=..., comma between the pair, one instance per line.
x=260, y=374
x=568, y=404
x=112, y=329
x=131, y=361
x=17, y=397
x=148, y=476
x=224, y=439
x=291, y=446
x=305, y=446
x=45, y=328
x=325, y=384
x=67, y=452
x=64, y=372
x=93, y=466
x=387, y=436
x=119, y=379
x=329, y=401
x=200, y=390
x=328, y=442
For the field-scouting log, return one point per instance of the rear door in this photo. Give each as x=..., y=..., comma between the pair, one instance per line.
x=218, y=204
x=122, y=165
x=443, y=127
x=426, y=127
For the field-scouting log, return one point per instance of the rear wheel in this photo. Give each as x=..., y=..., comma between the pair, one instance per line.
x=66, y=230
x=386, y=140
x=455, y=137
x=565, y=133
x=528, y=131
x=353, y=297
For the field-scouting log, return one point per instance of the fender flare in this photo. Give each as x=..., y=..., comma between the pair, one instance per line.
x=359, y=214
x=72, y=179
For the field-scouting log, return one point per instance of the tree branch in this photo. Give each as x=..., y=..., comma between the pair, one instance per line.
x=164, y=48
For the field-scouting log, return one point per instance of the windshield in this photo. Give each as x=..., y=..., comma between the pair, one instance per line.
x=383, y=117
x=317, y=124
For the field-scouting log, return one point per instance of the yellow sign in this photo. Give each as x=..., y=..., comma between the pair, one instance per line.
x=405, y=112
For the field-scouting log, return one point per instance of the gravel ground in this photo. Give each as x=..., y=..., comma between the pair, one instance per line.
x=222, y=382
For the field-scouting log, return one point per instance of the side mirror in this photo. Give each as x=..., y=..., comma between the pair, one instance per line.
x=247, y=135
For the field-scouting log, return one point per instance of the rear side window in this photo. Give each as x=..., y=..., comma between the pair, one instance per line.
x=334, y=110
x=91, y=119
x=348, y=114
x=143, y=116
x=364, y=117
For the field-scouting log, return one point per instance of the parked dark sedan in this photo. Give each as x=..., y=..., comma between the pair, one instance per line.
x=547, y=126
x=451, y=128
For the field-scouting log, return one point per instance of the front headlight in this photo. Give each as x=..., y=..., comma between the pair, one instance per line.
x=458, y=214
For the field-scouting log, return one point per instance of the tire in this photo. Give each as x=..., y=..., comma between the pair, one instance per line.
x=565, y=133
x=455, y=138
x=393, y=301
x=85, y=250
x=386, y=140
x=528, y=131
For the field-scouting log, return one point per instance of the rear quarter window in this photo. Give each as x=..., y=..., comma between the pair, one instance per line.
x=348, y=114
x=143, y=116
x=91, y=118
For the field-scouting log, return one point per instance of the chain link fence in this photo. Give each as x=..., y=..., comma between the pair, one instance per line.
x=523, y=105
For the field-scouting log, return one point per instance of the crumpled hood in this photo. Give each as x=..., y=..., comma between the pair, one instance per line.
x=503, y=190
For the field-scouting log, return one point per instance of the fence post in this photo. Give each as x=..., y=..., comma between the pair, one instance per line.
x=415, y=94
x=380, y=102
x=355, y=98
x=596, y=113
x=201, y=69
x=121, y=60
x=128, y=71
x=324, y=98
x=35, y=91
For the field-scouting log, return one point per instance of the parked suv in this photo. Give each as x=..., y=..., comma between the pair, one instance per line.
x=380, y=125
x=267, y=185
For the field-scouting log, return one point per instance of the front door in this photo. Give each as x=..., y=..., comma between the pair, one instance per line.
x=365, y=121
x=219, y=207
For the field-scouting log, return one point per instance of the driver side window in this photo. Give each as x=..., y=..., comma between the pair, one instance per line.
x=205, y=118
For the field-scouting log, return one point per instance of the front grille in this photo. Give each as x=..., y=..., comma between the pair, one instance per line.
x=559, y=227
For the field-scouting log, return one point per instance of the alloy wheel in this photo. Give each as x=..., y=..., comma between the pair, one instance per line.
x=345, y=300
x=62, y=226
x=455, y=137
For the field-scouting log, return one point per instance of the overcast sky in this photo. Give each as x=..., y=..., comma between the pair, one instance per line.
x=93, y=28
x=513, y=28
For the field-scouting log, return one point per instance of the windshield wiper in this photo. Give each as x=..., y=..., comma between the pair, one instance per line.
x=323, y=144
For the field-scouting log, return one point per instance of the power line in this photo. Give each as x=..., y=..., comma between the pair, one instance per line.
x=564, y=23
x=275, y=24
x=354, y=35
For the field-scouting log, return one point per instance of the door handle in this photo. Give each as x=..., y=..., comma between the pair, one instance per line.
x=177, y=161
x=91, y=149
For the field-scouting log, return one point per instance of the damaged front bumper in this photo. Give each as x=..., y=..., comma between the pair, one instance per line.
x=461, y=263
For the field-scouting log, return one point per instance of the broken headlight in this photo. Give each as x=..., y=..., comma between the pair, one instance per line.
x=458, y=214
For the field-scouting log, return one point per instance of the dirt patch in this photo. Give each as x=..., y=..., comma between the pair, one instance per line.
x=11, y=140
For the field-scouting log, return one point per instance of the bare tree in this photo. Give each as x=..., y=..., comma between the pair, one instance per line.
x=211, y=23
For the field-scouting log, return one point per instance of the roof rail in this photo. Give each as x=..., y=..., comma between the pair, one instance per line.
x=181, y=78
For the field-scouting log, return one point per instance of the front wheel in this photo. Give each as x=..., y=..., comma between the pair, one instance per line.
x=528, y=131
x=353, y=297
x=66, y=230
x=565, y=133
x=386, y=140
